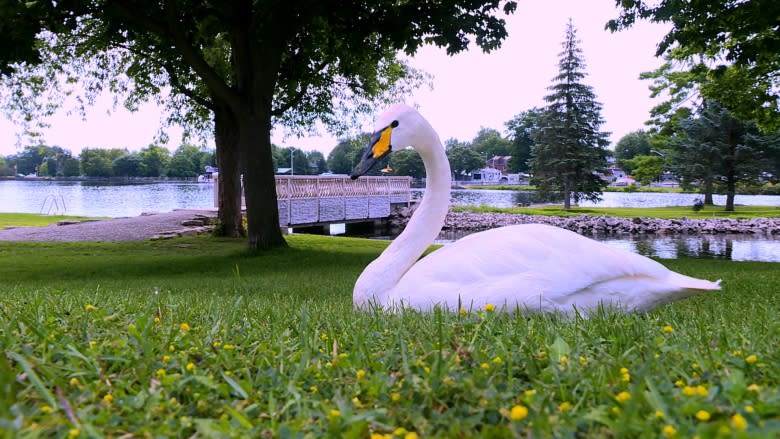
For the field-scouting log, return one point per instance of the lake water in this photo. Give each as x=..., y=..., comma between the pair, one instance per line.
x=118, y=200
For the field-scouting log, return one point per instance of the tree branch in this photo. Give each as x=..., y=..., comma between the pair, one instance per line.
x=172, y=30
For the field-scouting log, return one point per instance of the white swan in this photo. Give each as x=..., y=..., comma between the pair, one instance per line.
x=533, y=268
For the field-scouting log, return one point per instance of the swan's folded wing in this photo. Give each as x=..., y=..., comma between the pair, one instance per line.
x=531, y=266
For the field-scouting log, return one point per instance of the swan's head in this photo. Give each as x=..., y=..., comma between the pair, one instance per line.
x=399, y=127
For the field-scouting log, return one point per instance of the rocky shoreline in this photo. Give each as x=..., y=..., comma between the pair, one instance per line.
x=605, y=225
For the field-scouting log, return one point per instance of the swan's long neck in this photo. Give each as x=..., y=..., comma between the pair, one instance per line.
x=384, y=272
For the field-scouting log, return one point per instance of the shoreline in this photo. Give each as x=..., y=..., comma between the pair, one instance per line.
x=605, y=225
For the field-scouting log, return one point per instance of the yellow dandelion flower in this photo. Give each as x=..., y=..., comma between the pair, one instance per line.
x=679, y=383
x=702, y=391
x=565, y=406
x=448, y=381
x=184, y=327
x=360, y=374
x=623, y=370
x=323, y=336
x=173, y=401
x=564, y=360
x=751, y=358
x=228, y=373
x=228, y=347
x=615, y=410
x=108, y=398
x=156, y=320
x=92, y=343
x=356, y=402
x=659, y=414
x=623, y=397
x=395, y=397
x=89, y=307
x=754, y=388
x=411, y=435
x=160, y=373
x=74, y=382
x=668, y=329
x=583, y=360
x=45, y=409
x=400, y=431
x=669, y=431
x=750, y=409
x=313, y=389
x=171, y=348
x=483, y=402
x=343, y=356
x=703, y=415
x=736, y=353
x=518, y=413
x=190, y=367
x=497, y=360
x=529, y=393
x=166, y=358
x=73, y=433
x=739, y=422
x=689, y=391
x=377, y=436
x=489, y=307
x=463, y=311
x=334, y=413
x=484, y=366
x=694, y=365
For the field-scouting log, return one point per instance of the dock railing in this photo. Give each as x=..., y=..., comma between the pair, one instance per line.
x=322, y=199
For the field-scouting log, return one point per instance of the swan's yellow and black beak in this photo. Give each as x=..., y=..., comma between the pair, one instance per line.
x=379, y=146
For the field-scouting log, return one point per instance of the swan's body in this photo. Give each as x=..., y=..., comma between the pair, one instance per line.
x=534, y=268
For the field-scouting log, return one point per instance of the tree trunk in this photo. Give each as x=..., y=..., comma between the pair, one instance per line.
x=226, y=140
x=707, y=188
x=731, y=191
x=566, y=194
x=262, y=210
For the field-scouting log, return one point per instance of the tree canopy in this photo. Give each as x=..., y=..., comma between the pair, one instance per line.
x=261, y=63
x=727, y=50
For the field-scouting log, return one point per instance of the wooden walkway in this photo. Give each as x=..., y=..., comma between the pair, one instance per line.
x=306, y=200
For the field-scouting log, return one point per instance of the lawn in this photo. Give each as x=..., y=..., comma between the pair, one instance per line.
x=35, y=220
x=197, y=337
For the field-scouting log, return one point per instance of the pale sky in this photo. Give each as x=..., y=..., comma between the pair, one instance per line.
x=471, y=90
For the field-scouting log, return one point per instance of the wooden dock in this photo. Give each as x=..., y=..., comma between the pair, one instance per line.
x=318, y=200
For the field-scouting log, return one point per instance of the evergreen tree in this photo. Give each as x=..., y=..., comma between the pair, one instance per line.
x=570, y=150
x=718, y=148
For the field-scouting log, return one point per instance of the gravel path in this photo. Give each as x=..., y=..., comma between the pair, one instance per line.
x=146, y=226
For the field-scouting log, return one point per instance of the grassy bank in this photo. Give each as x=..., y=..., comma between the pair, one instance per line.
x=34, y=220
x=195, y=336
x=742, y=212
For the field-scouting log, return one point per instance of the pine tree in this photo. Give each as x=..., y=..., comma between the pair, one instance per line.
x=570, y=151
x=718, y=148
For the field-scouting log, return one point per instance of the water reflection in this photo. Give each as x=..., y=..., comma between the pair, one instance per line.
x=733, y=247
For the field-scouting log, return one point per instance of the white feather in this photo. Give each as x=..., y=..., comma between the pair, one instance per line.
x=533, y=268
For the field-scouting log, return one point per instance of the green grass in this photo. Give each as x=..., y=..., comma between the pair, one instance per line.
x=35, y=220
x=741, y=212
x=196, y=337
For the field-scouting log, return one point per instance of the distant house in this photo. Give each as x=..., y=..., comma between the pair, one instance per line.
x=500, y=162
x=486, y=176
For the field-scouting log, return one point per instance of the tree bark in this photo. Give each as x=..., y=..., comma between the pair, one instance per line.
x=707, y=188
x=731, y=191
x=254, y=144
x=226, y=140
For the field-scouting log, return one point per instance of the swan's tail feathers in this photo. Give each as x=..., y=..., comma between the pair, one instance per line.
x=694, y=284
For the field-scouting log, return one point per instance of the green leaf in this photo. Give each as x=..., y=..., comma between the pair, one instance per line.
x=235, y=386
x=558, y=349
x=34, y=379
